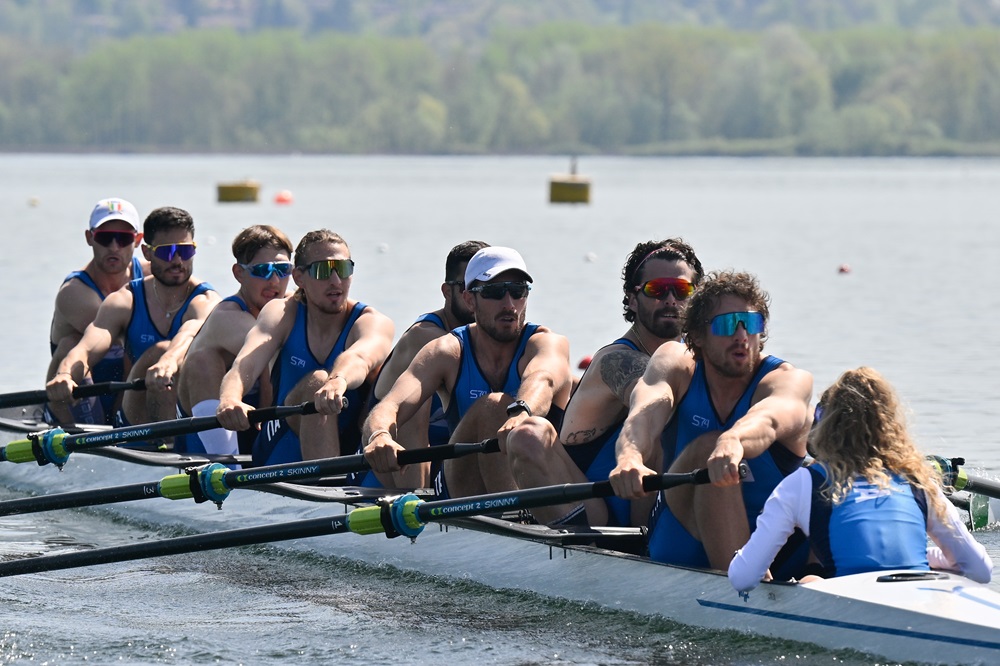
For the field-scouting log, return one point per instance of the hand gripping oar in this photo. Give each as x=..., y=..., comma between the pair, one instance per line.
x=406, y=515
x=953, y=474
x=215, y=481
x=54, y=446
x=82, y=391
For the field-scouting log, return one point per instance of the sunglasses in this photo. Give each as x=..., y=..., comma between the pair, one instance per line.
x=105, y=238
x=168, y=251
x=726, y=324
x=659, y=288
x=496, y=290
x=322, y=270
x=264, y=271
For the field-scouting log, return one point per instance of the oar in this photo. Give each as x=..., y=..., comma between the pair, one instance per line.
x=953, y=473
x=406, y=515
x=215, y=481
x=54, y=446
x=22, y=398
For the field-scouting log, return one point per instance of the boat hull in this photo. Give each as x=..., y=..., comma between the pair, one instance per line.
x=942, y=619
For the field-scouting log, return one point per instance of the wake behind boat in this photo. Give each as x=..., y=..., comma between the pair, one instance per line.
x=910, y=616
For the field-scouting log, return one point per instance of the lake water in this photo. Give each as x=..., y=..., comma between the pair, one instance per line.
x=919, y=238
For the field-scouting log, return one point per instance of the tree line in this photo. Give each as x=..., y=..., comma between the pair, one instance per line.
x=650, y=89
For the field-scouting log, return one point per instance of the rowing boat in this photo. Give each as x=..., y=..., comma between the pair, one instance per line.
x=929, y=617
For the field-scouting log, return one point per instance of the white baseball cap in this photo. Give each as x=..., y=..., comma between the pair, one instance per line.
x=492, y=261
x=114, y=209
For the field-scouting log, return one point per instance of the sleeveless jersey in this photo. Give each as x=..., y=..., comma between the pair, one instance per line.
x=695, y=415
x=277, y=443
x=141, y=333
x=472, y=385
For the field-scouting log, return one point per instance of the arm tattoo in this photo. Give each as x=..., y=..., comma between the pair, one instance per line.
x=619, y=369
x=581, y=436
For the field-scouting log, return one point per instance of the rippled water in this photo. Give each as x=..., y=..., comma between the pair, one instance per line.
x=919, y=236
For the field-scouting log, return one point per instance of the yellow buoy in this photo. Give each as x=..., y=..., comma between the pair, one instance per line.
x=569, y=187
x=244, y=190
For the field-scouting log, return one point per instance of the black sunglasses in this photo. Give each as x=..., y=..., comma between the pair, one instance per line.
x=105, y=238
x=496, y=290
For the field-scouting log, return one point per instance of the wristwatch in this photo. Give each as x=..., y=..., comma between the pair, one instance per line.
x=518, y=406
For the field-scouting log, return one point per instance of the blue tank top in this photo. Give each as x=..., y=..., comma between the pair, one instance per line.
x=696, y=415
x=873, y=529
x=471, y=384
x=296, y=360
x=141, y=334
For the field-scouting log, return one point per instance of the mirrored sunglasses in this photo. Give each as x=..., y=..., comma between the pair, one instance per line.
x=264, y=271
x=726, y=324
x=322, y=270
x=496, y=290
x=168, y=251
x=660, y=287
x=105, y=238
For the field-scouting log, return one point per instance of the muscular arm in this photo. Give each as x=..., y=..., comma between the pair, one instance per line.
x=603, y=394
x=368, y=345
x=429, y=371
x=651, y=405
x=108, y=325
x=779, y=413
x=274, y=323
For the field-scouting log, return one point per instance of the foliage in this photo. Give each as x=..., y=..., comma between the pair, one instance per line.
x=647, y=88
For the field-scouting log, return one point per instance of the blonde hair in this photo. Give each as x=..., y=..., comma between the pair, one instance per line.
x=862, y=432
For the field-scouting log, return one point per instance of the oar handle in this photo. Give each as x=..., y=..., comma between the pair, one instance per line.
x=88, y=390
x=281, y=411
x=22, y=398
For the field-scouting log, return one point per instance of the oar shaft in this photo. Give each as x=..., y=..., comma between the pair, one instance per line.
x=981, y=486
x=175, y=427
x=80, y=498
x=200, y=542
x=544, y=496
x=313, y=469
x=23, y=398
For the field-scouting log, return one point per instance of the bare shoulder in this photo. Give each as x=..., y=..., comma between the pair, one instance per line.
x=416, y=338
x=616, y=367
x=786, y=379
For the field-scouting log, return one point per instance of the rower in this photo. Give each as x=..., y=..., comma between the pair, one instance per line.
x=869, y=503
x=428, y=427
x=713, y=402
x=491, y=375
x=158, y=315
x=329, y=348
x=262, y=269
x=658, y=277
x=113, y=235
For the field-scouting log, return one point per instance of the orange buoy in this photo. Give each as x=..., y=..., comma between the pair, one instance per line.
x=283, y=197
x=844, y=268
x=585, y=362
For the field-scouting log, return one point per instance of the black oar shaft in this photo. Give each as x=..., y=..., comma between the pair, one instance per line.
x=232, y=479
x=200, y=542
x=175, y=427
x=544, y=496
x=313, y=469
x=981, y=486
x=80, y=498
x=23, y=398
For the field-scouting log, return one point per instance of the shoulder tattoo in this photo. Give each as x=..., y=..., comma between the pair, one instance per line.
x=619, y=369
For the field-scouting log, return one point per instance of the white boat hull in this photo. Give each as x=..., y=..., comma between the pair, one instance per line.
x=939, y=620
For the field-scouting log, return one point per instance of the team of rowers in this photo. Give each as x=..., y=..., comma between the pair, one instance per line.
x=685, y=386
